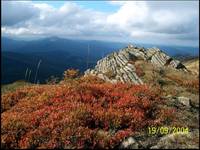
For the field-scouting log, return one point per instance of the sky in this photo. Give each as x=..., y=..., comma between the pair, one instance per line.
x=152, y=22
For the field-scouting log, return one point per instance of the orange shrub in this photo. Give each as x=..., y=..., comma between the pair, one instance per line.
x=11, y=99
x=71, y=73
x=91, y=79
x=88, y=115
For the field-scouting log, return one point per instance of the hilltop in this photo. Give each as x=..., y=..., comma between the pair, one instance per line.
x=150, y=66
x=107, y=110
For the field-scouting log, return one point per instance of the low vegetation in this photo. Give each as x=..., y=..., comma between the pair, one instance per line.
x=171, y=81
x=12, y=87
x=83, y=113
x=71, y=74
x=192, y=65
x=86, y=112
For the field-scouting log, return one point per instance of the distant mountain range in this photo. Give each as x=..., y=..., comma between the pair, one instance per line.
x=58, y=54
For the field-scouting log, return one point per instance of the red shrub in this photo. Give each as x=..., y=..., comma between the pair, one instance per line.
x=88, y=115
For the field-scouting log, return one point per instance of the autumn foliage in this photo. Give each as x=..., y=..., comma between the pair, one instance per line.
x=71, y=74
x=79, y=115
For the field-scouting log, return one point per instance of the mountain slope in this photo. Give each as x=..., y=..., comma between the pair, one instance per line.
x=14, y=65
x=72, y=47
x=56, y=54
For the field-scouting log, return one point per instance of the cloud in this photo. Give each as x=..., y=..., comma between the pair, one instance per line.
x=164, y=21
x=134, y=21
x=70, y=20
x=129, y=14
x=20, y=31
x=14, y=12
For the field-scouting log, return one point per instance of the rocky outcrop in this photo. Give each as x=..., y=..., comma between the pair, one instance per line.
x=119, y=66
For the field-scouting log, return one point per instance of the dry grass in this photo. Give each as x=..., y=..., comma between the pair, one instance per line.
x=171, y=81
x=110, y=74
x=193, y=66
x=12, y=87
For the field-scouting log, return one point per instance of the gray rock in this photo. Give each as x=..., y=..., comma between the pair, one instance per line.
x=129, y=143
x=179, y=140
x=184, y=101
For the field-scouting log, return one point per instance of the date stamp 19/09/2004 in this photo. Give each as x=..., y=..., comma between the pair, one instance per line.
x=167, y=130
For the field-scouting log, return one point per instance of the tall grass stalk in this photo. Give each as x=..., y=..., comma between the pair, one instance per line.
x=26, y=73
x=29, y=75
x=38, y=66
